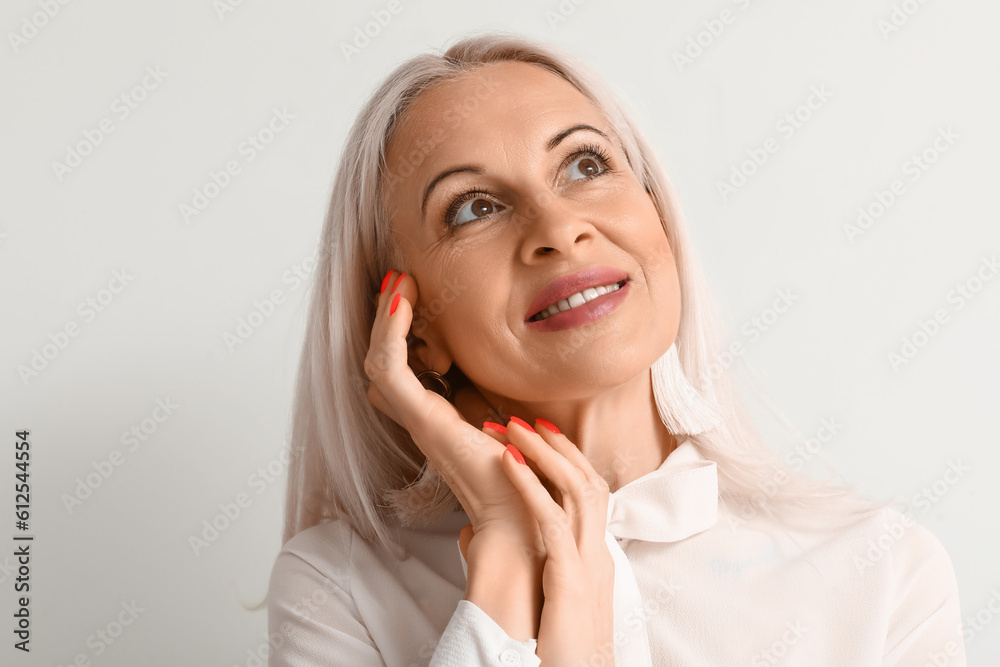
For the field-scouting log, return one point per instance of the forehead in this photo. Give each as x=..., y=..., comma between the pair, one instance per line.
x=500, y=105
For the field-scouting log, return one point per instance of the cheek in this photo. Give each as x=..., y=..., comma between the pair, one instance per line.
x=463, y=308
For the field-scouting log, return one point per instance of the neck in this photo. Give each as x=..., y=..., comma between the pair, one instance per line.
x=619, y=431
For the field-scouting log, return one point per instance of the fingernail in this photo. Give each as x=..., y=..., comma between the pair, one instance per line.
x=547, y=424
x=516, y=454
x=397, y=281
x=499, y=428
x=385, y=281
x=518, y=420
x=395, y=302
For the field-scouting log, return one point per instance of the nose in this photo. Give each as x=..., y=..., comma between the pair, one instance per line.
x=553, y=226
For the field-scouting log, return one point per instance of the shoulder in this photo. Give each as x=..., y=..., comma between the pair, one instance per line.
x=924, y=611
x=911, y=550
x=319, y=555
x=322, y=540
x=921, y=566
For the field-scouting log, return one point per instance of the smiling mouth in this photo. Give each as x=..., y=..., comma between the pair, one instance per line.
x=576, y=300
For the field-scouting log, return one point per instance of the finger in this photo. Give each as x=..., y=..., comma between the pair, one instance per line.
x=387, y=362
x=557, y=533
x=554, y=437
x=552, y=465
x=395, y=283
x=381, y=301
x=549, y=486
x=596, y=490
x=584, y=494
x=376, y=398
x=497, y=431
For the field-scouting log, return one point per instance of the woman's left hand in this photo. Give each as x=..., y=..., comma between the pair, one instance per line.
x=577, y=620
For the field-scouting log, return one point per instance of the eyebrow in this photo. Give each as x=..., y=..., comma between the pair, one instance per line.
x=553, y=142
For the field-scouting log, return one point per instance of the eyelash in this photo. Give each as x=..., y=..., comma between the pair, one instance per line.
x=585, y=149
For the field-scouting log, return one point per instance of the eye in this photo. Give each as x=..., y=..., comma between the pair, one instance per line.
x=590, y=161
x=586, y=167
x=477, y=207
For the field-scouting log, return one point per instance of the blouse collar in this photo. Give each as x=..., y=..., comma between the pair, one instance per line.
x=669, y=504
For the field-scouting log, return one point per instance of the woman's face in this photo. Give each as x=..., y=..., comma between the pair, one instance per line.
x=502, y=182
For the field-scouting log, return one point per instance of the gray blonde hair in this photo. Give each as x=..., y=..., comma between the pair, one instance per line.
x=352, y=462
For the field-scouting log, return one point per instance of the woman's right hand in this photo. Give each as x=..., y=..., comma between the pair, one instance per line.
x=468, y=458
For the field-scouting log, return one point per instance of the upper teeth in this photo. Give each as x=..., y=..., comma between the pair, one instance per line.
x=575, y=300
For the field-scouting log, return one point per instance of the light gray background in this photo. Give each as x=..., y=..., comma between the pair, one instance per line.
x=225, y=73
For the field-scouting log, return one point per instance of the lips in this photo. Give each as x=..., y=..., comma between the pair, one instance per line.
x=568, y=285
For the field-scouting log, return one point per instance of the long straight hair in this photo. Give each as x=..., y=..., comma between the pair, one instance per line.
x=351, y=462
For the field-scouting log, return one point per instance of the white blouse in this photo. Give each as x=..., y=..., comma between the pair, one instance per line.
x=694, y=585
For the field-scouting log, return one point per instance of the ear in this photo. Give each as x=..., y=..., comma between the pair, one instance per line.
x=428, y=347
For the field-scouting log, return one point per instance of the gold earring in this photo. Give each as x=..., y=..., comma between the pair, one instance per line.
x=434, y=375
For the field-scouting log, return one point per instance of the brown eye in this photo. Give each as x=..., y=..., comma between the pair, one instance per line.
x=585, y=167
x=481, y=207
x=476, y=208
x=588, y=167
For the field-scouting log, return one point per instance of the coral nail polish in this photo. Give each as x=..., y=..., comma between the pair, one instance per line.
x=516, y=454
x=397, y=281
x=499, y=428
x=395, y=303
x=385, y=281
x=547, y=424
x=518, y=420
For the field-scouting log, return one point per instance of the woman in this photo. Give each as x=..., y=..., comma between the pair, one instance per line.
x=511, y=444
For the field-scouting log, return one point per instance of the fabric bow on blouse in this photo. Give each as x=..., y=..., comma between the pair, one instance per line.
x=674, y=502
